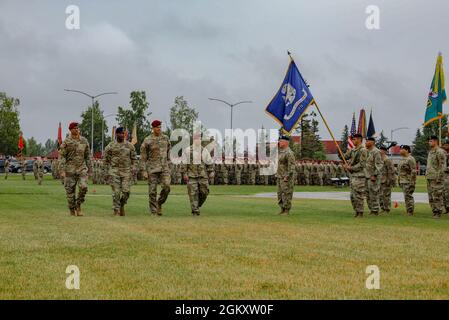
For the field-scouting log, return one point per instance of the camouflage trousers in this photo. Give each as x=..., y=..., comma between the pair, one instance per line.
x=238, y=178
x=307, y=179
x=358, y=187
x=446, y=192
x=224, y=178
x=120, y=190
x=6, y=173
x=70, y=183
x=435, y=190
x=407, y=190
x=23, y=174
x=198, y=190
x=373, y=194
x=40, y=177
x=385, y=196
x=285, y=193
x=153, y=179
x=252, y=178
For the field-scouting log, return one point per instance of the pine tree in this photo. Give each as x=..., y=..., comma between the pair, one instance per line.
x=382, y=141
x=344, y=139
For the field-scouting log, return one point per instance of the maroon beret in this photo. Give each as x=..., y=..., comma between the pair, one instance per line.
x=73, y=125
x=156, y=123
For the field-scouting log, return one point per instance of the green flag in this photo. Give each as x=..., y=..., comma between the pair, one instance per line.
x=437, y=94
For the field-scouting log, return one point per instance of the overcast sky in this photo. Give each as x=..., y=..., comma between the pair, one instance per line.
x=233, y=50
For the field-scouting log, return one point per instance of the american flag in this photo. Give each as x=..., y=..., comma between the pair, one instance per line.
x=352, y=133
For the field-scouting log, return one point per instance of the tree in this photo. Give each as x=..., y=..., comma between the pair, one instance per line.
x=135, y=115
x=50, y=145
x=420, y=147
x=181, y=115
x=9, y=124
x=34, y=149
x=86, y=125
x=382, y=141
x=344, y=139
x=311, y=145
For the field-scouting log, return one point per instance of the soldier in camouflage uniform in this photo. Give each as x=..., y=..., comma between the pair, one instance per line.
x=307, y=173
x=24, y=167
x=285, y=175
x=356, y=167
x=224, y=173
x=387, y=180
x=446, y=177
x=119, y=165
x=75, y=168
x=373, y=169
x=436, y=166
x=238, y=167
x=155, y=159
x=35, y=169
x=6, y=164
x=40, y=170
x=252, y=168
x=407, y=178
x=198, y=169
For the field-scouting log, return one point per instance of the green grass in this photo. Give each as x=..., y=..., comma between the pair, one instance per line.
x=237, y=249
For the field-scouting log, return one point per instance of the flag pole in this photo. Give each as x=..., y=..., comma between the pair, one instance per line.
x=330, y=132
x=440, y=129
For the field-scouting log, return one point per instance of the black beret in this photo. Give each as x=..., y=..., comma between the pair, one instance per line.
x=120, y=130
x=433, y=137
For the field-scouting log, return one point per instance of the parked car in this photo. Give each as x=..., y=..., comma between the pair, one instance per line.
x=16, y=166
x=2, y=165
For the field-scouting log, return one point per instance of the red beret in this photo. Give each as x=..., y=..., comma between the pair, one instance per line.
x=156, y=123
x=73, y=125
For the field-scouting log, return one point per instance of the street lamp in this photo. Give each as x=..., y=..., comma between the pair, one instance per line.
x=231, y=105
x=93, y=97
x=397, y=129
x=102, y=130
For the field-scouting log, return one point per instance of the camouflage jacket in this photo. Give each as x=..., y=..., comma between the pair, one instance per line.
x=388, y=172
x=119, y=159
x=75, y=156
x=40, y=165
x=357, y=160
x=374, y=163
x=193, y=166
x=155, y=154
x=286, y=164
x=407, y=170
x=436, y=164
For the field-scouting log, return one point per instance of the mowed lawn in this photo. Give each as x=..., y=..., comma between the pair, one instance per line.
x=239, y=248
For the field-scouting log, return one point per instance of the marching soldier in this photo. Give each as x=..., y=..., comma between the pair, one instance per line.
x=373, y=170
x=75, y=168
x=407, y=178
x=6, y=164
x=446, y=177
x=24, y=167
x=285, y=175
x=387, y=180
x=119, y=165
x=356, y=167
x=436, y=166
x=40, y=170
x=155, y=159
x=35, y=169
x=198, y=169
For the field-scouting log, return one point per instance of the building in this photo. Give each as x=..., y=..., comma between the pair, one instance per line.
x=329, y=146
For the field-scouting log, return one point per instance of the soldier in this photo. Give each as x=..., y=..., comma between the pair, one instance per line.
x=224, y=173
x=446, y=177
x=356, y=166
x=24, y=167
x=407, y=178
x=373, y=170
x=40, y=170
x=307, y=170
x=197, y=168
x=238, y=167
x=75, y=167
x=6, y=164
x=35, y=169
x=436, y=166
x=252, y=168
x=285, y=175
x=119, y=165
x=387, y=180
x=155, y=160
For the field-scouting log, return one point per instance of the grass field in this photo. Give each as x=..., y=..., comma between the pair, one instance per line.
x=237, y=249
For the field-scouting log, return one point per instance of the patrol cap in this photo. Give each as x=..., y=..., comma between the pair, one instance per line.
x=120, y=130
x=406, y=147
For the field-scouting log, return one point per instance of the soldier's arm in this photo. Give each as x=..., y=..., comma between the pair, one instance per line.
x=441, y=163
x=412, y=164
x=62, y=157
x=107, y=160
x=143, y=155
x=133, y=156
x=168, y=150
x=362, y=162
x=87, y=158
x=378, y=164
x=290, y=166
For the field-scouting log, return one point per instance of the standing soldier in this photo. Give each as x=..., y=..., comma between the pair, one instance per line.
x=356, y=167
x=75, y=167
x=436, y=166
x=40, y=170
x=307, y=169
x=198, y=169
x=252, y=168
x=446, y=177
x=155, y=160
x=238, y=167
x=6, y=168
x=285, y=175
x=24, y=168
x=35, y=169
x=407, y=178
x=224, y=173
x=387, y=180
x=118, y=167
x=373, y=170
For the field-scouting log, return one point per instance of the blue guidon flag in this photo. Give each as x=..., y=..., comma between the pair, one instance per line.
x=292, y=99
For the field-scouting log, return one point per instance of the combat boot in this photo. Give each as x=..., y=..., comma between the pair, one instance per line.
x=410, y=213
x=116, y=212
x=159, y=210
x=122, y=211
x=78, y=211
x=72, y=212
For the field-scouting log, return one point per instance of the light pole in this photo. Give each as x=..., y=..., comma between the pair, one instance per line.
x=93, y=97
x=102, y=130
x=397, y=129
x=231, y=105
